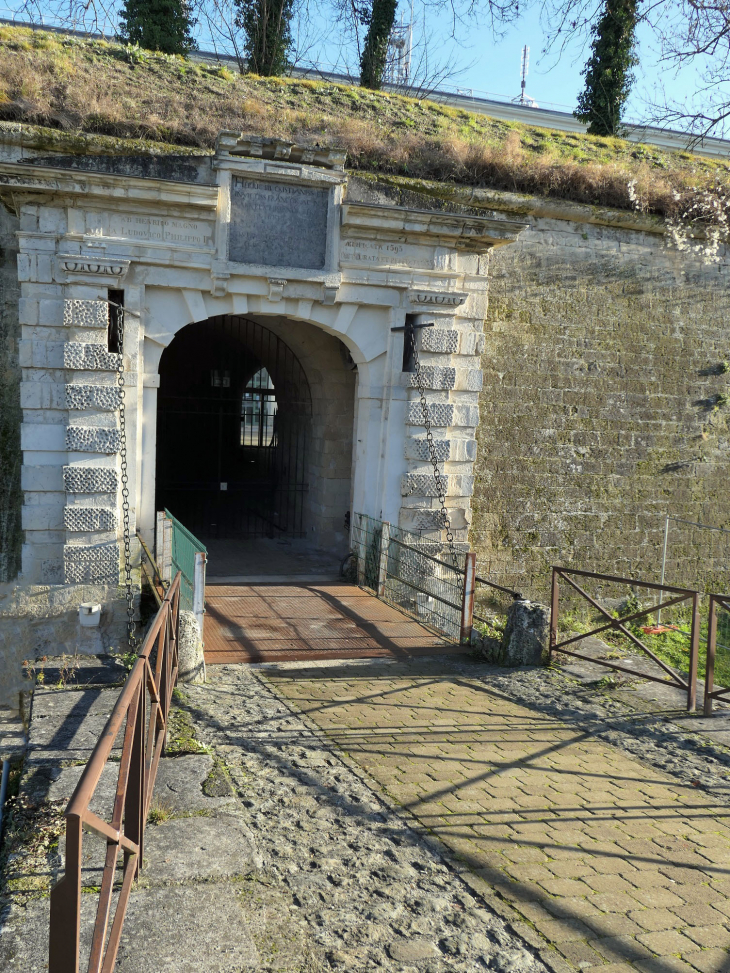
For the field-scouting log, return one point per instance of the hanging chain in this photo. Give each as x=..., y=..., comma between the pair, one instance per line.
x=131, y=628
x=441, y=492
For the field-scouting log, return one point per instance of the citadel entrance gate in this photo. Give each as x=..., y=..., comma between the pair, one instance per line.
x=233, y=427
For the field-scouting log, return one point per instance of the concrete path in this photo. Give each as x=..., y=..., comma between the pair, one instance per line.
x=618, y=865
x=272, y=622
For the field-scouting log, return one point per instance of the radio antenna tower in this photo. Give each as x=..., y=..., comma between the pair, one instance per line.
x=524, y=98
x=400, y=47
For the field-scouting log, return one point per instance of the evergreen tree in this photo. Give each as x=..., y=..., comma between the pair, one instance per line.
x=608, y=73
x=267, y=25
x=157, y=25
x=375, y=51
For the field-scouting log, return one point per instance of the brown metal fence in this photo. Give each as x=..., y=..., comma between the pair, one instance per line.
x=718, y=603
x=613, y=624
x=148, y=687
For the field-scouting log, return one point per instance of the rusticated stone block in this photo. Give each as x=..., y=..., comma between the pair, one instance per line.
x=435, y=377
x=84, y=356
x=96, y=564
x=85, y=314
x=92, y=439
x=439, y=414
x=90, y=479
x=418, y=449
x=422, y=485
x=89, y=518
x=103, y=397
x=440, y=340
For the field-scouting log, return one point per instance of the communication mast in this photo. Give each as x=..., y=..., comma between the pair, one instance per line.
x=400, y=47
x=524, y=98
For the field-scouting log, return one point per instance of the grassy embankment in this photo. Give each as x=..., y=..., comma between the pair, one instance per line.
x=78, y=86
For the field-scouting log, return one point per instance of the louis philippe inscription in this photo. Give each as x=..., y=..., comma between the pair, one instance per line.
x=278, y=225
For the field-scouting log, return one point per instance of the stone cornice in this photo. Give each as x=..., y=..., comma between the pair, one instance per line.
x=19, y=182
x=454, y=230
x=235, y=144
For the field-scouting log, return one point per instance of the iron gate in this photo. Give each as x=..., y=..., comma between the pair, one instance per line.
x=233, y=424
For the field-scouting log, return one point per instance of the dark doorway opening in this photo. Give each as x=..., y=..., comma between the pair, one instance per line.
x=233, y=424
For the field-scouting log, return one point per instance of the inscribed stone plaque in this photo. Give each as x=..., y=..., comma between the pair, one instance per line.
x=277, y=224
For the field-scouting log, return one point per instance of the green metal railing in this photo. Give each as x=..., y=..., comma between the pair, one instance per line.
x=184, y=548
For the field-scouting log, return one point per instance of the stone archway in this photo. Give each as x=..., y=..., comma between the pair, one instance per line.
x=255, y=430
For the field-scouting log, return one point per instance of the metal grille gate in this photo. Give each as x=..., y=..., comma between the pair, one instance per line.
x=233, y=424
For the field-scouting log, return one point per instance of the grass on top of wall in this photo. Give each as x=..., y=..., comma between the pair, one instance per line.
x=89, y=86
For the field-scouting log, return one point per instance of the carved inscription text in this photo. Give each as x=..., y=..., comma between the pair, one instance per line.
x=278, y=225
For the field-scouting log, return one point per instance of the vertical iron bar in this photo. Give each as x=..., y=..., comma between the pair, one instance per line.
x=554, y=608
x=467, y=603
x=693, y=654
x=383, y=561
x=134, y=804
x=664, y=567
x=711, y=648
x=65, y=923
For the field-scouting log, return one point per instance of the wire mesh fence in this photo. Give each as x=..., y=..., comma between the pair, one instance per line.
x=411, y=572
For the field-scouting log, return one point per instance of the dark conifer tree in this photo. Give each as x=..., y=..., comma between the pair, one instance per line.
x=267, y=25
x=375, y=51
x=608, y=73
x=157, y=25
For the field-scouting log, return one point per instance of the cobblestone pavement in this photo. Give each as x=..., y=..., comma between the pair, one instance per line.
x=620, y=865
x=266, y=851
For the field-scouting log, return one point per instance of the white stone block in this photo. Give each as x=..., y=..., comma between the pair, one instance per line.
x=104, y=397
x=42, y=437
x=93, y=564
x=85, y=314
x=50, y=313
x=435, y=377
x=440, y=340
x=90, y=479
x=92, y=439
x=423, y=484
x=27, y=311
x=42, y=395
x=417, y=448
x=439, y=414
x=41, y=478
x=44, y=516
x=76, y=518
x=84, y=357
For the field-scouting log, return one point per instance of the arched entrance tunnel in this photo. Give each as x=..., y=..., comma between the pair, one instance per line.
x=254, y=431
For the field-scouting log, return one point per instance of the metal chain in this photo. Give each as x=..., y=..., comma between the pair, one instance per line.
x=131, y=627
x=441, y=492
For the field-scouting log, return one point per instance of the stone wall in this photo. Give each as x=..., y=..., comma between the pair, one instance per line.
x=602, y=409
x=11, y=499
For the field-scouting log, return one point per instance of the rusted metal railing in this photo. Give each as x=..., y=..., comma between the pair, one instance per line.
x=620, y=625
x=148, y=687
x=723, y=603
